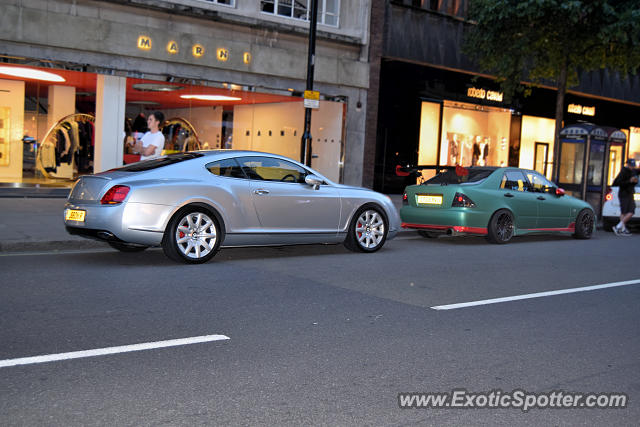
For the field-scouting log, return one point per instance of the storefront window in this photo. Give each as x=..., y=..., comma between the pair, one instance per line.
x=615, y=162
x=634, y=143
x=53, y=132
x=536, y=144
x=474, y=135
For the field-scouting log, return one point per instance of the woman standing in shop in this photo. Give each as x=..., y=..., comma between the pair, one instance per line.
x=152, y=142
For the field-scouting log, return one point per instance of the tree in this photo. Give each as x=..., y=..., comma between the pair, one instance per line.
x=552, y=41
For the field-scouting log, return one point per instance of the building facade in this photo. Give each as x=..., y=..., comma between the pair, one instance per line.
x=431, y=105
x=77, y=78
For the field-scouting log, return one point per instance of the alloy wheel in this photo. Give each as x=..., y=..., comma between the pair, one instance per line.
x=369, y=229
x=196, y=235
x=504, y=226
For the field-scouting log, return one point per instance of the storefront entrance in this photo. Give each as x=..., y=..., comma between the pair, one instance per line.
x=53, y=122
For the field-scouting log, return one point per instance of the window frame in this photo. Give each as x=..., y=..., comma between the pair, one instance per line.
x=306, y=171
x=216, y=2
x=234, y=160
x=322, y=11
x=527, y=187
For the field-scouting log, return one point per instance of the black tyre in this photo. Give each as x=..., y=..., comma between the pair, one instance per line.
x=126, y=247
x=428, y=234
x=368, y=230
x=193, y=236
x=584, y=224
x=501, y=227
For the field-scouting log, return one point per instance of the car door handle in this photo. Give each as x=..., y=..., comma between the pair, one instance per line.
x=261, y=192
x=541, y=198
x=508, y=195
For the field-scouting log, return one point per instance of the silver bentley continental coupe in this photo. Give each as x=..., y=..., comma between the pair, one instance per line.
x=193, y=203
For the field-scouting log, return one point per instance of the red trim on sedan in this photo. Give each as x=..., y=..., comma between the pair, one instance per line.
x=456, y=228
x=571, y=228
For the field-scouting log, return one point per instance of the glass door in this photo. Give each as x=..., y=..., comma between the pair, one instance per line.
x=541, y=157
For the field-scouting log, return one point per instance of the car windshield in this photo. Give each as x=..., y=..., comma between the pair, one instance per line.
x=158, y=162
x=451, y=177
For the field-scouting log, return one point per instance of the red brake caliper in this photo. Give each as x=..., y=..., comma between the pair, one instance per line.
x=359, y=232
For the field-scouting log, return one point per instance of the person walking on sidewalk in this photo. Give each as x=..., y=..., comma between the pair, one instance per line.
x=626, y=182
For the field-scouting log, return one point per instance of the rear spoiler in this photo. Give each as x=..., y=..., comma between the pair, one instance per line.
x=416, y=170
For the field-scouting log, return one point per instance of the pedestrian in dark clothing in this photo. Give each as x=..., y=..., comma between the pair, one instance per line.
x=626, y=182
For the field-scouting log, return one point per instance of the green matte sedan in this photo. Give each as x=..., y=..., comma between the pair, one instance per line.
x=496, y=202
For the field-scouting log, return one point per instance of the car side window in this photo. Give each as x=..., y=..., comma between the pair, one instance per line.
x=514, y=181
x=539, y=183
x=272, y=169
x=226, y=167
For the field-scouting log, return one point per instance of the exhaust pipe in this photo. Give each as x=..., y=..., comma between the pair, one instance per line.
x=106, y=235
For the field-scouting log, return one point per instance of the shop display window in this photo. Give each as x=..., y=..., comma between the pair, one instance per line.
x=63, y=131
x=474, y=135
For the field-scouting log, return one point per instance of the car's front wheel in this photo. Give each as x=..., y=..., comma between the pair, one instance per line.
x=193, y=236
x=500, y=227
x=367, y=231
x=584, y=224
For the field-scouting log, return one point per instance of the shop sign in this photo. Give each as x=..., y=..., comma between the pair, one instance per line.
x=197, y=50
x=489, y=95
x=311, y=99
x=172, y=47
x=144, y=43
x=222, y=54
x=634, y=129
x=583, y=110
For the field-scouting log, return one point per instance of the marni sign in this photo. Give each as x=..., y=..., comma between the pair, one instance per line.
x=197, y=50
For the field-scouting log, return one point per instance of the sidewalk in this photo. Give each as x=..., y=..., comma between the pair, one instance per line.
x=36, y=224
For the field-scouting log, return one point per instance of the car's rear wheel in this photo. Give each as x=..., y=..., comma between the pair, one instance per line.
x=126, y=247
x=501, y=227
x=193, y=236
x=584, y=224
x=367, y=231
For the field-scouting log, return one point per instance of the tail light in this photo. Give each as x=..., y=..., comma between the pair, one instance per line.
x=608, y=196
x=115, y=195
x=462, y=201
x=405, y=199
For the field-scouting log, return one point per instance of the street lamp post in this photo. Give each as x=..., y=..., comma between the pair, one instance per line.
x=305, y=146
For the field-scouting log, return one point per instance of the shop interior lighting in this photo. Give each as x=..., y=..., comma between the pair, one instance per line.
x=156, y=87
x=31, y=73
x=211, y=97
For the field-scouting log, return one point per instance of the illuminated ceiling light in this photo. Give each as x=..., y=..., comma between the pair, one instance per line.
x=211, y=97
x=31, y=73
x=155, y=87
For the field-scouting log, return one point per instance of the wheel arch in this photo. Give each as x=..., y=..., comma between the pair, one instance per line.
x=198, y=204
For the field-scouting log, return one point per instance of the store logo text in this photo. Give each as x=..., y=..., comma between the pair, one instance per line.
x=197, y=50
x=579, y=109
x=489, y=95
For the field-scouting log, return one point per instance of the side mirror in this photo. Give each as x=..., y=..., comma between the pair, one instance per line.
x=313, y=180
x=560, y=192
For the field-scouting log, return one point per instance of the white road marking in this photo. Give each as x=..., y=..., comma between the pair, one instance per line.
x=110, y=350
x=535, y=295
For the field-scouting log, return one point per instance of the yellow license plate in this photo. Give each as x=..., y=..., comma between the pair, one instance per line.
x=636, y=197
x=74, y=215
x=424, y=199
